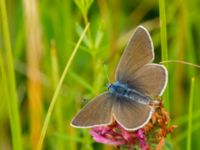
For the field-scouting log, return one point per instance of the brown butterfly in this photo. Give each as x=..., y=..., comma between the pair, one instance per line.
x=127, y=100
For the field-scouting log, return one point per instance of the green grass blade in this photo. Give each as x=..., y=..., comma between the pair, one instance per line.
x=58, y=106
x=189, y=131
x=55, y=95
x=11, y=84
x=163, y=34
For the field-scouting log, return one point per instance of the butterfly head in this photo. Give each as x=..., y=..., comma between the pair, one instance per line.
x=109, y=85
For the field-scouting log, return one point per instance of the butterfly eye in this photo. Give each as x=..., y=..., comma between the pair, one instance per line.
x=108, y=85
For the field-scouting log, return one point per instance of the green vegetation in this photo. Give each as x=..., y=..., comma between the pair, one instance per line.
x=52, y=62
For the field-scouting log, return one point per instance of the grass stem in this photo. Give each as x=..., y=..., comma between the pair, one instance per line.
x=163, y=34
x=11, y=83
x=53, y=101
x=181, y=62
x=189, y=131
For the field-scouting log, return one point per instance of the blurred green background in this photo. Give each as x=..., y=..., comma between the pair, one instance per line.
x=37, y=39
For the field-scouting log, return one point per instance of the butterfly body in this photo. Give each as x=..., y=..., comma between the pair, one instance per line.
x=127, y=100
x=122, y=90
x=119, y=89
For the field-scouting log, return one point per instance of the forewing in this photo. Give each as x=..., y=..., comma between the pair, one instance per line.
x=138, y=52
x=131, y=115
x=95, y=113
x=151, y=79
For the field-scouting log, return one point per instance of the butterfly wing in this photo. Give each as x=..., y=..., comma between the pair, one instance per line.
x=131, y=115
x=138, y=52
x=135, y=69
x=151, y=79
x=95, y=113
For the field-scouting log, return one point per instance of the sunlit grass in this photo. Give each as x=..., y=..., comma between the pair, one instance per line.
x=55, y=95
x=8, y=76
x=58, y=105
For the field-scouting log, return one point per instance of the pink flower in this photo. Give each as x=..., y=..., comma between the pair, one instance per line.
x=151, y=134
x=118, y=136
x=141, y=137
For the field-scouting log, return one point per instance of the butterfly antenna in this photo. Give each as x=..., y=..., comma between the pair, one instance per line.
x=106, y=72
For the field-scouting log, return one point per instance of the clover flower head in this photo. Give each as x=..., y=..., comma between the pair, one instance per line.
x=153, y=133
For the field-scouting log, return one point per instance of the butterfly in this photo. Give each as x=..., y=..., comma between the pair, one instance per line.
x=127, y=100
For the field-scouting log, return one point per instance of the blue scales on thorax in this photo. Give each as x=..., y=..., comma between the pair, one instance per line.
x=123, y=90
